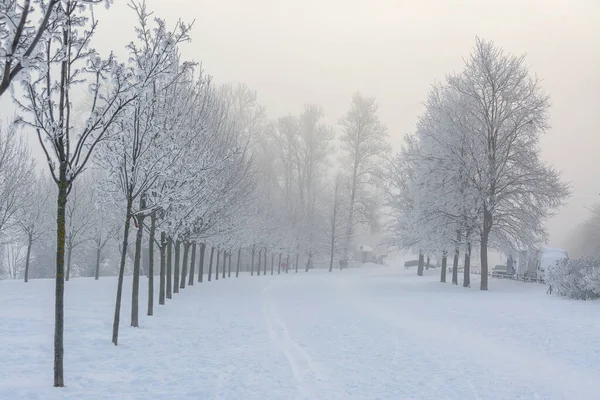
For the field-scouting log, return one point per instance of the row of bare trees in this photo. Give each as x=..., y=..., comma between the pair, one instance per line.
x=198, y=170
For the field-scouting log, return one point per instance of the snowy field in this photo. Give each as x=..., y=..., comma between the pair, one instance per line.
x=374, y=333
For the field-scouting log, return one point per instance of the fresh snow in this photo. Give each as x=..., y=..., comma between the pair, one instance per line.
x=372, y=333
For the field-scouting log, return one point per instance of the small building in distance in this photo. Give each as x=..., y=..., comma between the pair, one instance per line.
x=364, y=253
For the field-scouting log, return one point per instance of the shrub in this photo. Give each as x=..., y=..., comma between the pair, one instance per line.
x=578, y=278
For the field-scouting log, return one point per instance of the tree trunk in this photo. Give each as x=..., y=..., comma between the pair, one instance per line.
x=279, y=267
x=201, y=267
x=331, y=251
x=217, y=266
x=229, y=263
x=287, y=264
x=69, y=251
x=308, y=262
x=161, y=290
x=28, y=256
x=455, y=266
x=237, y=268
x=427, y=263
x=420, y=267
x=259, y=262
x=60, y=278
x=98, y=254
x=192, y=265
x=485, y=235
x=212, y=252
x=444, y=262
x=224, y=263
x=176, y=266
x=135, y=292
x=265, y=263
x=115, y=335
x=252, y=265
x=184, y=266
x=151, y=263
x=466, y=271
x=169, y=273
x=272, y=262
x=297, y=258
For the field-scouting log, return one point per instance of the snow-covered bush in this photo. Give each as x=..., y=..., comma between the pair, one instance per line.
x=578, y=278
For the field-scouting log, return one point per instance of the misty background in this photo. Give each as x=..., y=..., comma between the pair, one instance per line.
x=313, y=51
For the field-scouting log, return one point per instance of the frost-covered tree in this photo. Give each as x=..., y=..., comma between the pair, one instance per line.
x=140, y=150
x=508, y=113
x=335, y=210
x=22, y=40
x=70, y=65
x=364, y=142
x=16, y=178
x=79, y=218
x=34, y=217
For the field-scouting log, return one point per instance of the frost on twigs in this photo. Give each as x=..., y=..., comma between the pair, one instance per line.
x=577, y=278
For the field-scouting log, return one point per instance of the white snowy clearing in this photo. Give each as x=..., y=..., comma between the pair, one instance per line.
x=371, y=333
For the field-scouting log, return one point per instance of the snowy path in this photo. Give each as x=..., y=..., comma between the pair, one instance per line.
x=377, y=333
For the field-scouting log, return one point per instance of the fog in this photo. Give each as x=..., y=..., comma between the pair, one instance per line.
x=321, y=51
x=380, y=129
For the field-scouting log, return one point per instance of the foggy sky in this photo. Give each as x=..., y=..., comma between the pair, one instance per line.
x=321, y=51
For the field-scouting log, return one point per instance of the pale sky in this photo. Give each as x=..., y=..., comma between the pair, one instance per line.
x=321, y=51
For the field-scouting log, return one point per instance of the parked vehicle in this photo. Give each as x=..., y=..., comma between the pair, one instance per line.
x=413, y=263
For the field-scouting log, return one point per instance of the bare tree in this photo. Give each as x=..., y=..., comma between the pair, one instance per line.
x=35, y=216
x=517, y=189
x=68, y=63
x=17, y=177
x=364, y=141
x=21, y=40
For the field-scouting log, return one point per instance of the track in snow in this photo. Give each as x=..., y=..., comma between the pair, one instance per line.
x=379, y=333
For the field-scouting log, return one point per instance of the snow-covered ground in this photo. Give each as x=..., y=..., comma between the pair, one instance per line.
x=374, y=333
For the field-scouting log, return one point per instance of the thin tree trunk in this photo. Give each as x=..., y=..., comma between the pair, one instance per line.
x=237, y=268
x=201, y=267
x=485, y=235
x=427, y=263
x=265, y=263
x=184, y=266
x=128, y=216
x=217, y=266
x=212, y=252
x=252, y=265
x=229, y=263
x=176, y=267
x=420, y=267
x=163, y=245
x=455, y=267
x=169, y=273
x=135, y=292
x=192, y=265
x=151, y=263
x=279, y=267
x=467, y=270
x=28, y=256
x=272, y=262
x=444, y=262
x=98, y=254
x=69, y=251
x=307, y=262
x=259, y=262
x=224, y=263
x=332, y=249
x=60, y=279
x=297, y=260
x=287, y=263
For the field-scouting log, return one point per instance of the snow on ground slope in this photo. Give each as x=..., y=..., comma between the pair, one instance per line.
x=375, y=333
